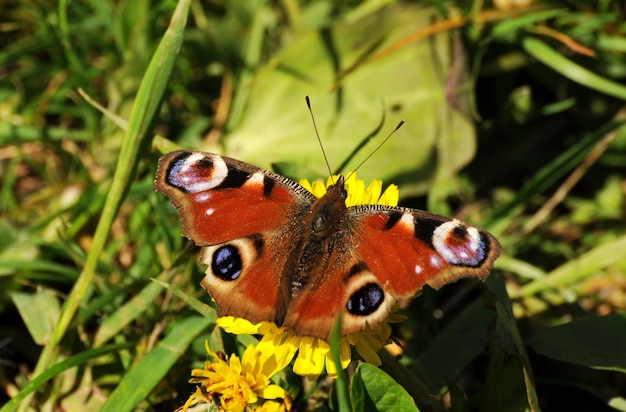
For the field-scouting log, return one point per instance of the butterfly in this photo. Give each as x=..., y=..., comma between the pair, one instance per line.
x=274, y=252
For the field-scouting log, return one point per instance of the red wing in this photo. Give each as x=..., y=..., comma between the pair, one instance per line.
x=408, y=248
x=341, y=288
x=247, y=219
x=220, y=199
x=244, y=275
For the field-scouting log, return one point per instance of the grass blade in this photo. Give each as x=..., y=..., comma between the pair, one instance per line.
x=559, y=63
x=141, y=379
x=137, y=138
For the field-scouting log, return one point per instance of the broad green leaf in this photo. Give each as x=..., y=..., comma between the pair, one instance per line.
x=410, y=82
x=599, y=343
x=374, y=390
x=406, y=375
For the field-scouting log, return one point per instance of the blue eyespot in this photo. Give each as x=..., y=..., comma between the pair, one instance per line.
x=365, y=300
x=226, y=263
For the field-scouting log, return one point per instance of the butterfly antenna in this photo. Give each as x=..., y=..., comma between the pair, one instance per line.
x=377, y=148
x=308, y=103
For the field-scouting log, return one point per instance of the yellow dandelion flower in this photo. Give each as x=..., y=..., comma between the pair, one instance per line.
x=357, y=193
x=232, y=384
x=312, y=355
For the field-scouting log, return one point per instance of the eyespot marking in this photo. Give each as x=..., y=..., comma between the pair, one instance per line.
x=226, y=263
x=366, y=300
x=196, y=172
x=461, y=245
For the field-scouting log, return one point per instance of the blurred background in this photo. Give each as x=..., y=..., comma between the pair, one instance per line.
x=514, y=122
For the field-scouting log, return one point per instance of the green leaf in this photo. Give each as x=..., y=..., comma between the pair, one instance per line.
x=436, y=141
x=579, y=74
x=141, y=379
x=406, y=375
x=374, y=390
x=509, y=383
x=444, y=358
x=40, y=311
x=598, y=343
x=55, y=370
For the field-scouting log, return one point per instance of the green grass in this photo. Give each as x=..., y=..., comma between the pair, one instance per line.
x=515, y=122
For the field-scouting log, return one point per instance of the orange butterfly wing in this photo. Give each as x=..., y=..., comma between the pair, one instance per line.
x=242, y=215
x=390, y=253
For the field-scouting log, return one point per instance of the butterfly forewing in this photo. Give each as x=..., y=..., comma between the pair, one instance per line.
x=221, y=199
x=428, y=248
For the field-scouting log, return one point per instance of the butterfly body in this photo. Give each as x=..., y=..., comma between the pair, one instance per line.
x=274, y=252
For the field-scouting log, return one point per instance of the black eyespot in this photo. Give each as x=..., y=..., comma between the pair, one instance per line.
x=226, y=263
x=365, y=300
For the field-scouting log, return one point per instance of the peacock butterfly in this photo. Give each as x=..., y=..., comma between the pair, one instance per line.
x=274, y=252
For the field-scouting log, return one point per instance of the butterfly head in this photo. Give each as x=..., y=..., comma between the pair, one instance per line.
x=338, y=190
x=328, y=211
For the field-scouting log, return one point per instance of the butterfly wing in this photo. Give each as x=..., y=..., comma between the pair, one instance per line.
x=220, y=199
x=427, y=248
x=385, y=255
x=246, y=218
